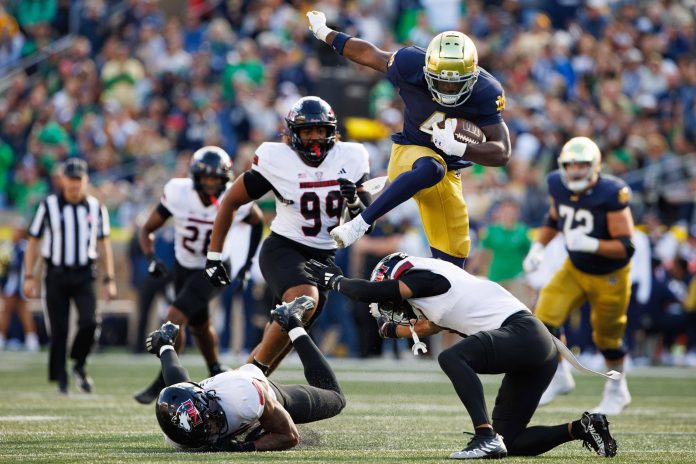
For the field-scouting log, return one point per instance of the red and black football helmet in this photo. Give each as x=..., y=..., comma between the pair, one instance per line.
x=388, y=268
x=210, y=161
x=190, y=416
x=307, y=112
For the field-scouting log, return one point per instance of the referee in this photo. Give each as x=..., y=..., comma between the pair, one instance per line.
x=73, y=225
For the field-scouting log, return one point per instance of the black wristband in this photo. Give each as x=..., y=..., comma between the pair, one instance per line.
x=390, y=330
x=339, y=42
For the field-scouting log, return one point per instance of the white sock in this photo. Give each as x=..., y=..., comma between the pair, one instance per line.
x=296, y=332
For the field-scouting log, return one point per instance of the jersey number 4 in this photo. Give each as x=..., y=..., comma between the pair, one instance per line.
x=310, y=207
x=582, y=217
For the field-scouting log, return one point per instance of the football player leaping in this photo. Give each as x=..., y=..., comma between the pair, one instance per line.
x=194, y=203
x=426, y=296
x=312, y=176
x=592, y=211
x=437, y=84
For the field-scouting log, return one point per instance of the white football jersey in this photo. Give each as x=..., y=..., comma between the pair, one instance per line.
x=193, y=221
x=308, y=199
x=240, y=396
x=471, y=305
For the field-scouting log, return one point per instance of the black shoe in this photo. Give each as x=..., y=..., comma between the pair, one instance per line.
x=217, y=368
x=482, y=447
x=286, y=313
x=83, y=382
x=63, y=387
x=148, y=395
x=165, y=335
x=596, y=434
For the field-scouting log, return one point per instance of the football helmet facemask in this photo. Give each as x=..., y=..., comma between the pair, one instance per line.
x=190, y=416
x=579, y=150
x=390, y=267
x=210, y=161
x=308, y=112
x=451, y=68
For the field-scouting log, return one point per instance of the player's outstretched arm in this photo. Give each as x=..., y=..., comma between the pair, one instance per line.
x=357, y=50
x=236, y=197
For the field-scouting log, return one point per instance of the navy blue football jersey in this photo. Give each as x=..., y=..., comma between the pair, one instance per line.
x=483, y=107
x=588, y=212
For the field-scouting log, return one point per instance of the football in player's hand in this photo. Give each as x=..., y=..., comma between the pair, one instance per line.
x=466, y=131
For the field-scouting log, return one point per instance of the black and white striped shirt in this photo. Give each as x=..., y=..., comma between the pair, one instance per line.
x=70, y=231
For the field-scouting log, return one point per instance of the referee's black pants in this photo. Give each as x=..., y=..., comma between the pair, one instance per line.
x=61, y=286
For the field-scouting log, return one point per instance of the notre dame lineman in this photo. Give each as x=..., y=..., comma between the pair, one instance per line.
x=75, y=231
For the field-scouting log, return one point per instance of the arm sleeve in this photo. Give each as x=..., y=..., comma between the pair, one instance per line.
x=163, y=211
x=425, y=283
x=254, y=240
x=104, y=225
x=370, y=292
x=172, y=370
x=37, y=224
x=256, y=185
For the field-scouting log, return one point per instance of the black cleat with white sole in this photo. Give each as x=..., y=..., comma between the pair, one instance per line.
x=596, y=435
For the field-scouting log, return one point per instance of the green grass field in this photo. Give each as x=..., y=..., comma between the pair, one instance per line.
x=398, y=412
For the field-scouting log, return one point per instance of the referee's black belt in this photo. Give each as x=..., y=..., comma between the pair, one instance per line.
x=68, y=269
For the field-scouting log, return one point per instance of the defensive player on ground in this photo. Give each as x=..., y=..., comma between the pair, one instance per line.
x=241, y=410
x=194, y=203
x=313, y=175
x=592, y=211
x=429, y=295
x=437, y=85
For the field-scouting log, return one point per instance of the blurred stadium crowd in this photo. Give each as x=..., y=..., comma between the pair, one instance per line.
x=136, y=86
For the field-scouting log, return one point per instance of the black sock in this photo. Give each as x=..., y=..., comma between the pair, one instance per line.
x=214, y=368
x=538, y=439
x=293, y=323
x=485, y=431
x=577, y=430
x=264, y=368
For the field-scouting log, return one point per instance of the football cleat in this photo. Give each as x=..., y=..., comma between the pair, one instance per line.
x=347, y=234
x=283, y=314
x=562, y=383
x=165, y=335
x=596, y=435
x=482, y=447
x=615, y=398
x=83, y=382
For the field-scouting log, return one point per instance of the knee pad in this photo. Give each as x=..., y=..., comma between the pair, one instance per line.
x=613, y=354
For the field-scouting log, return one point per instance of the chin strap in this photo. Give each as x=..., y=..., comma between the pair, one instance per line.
x=418, y=346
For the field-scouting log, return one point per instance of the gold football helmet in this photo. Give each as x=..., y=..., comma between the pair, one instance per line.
x=579, y=150
x=451, y=68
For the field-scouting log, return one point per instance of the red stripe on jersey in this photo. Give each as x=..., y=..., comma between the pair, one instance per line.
x=258, y=389
x=200, y=221
x=321, y=183
x=255, y=160
x=404, y=267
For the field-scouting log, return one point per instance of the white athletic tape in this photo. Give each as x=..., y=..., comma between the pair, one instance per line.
x=614, y=375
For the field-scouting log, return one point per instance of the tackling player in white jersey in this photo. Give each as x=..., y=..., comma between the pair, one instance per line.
x=194, y=203
x=313, y=175
x=426, y=296
x=241, y=410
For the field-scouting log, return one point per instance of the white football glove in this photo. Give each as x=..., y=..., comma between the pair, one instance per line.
x=445, y=141
x=534, y=258
x=317, y=24
x=578, y=241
